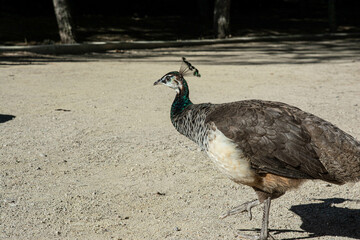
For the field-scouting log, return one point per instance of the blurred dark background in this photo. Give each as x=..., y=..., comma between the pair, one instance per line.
x=33, y=22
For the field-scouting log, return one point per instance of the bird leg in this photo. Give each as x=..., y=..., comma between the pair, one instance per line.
x=264, y=233
x=245, y=207
x=265, y=223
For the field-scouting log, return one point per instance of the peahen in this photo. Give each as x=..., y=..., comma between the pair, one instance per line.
x=269, y=146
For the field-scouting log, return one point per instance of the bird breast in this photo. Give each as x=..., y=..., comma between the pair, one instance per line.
x=229, y=158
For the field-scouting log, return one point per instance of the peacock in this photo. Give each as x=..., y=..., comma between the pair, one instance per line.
x=270, y=146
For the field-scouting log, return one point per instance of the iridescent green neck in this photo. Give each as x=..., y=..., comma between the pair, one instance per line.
x=181, y=100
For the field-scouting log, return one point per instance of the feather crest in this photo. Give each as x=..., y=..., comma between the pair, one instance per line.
x=187, y=69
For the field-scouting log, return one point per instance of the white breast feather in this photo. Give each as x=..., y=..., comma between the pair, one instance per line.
x=228, y=158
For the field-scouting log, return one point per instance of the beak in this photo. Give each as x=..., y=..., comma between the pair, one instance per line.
x=157, y=82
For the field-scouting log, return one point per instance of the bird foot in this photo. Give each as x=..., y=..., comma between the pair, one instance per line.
x=264, y=233
x=256, y=237
x=245, y=207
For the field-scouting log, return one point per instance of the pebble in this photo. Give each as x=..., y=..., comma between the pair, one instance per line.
x=177, y=229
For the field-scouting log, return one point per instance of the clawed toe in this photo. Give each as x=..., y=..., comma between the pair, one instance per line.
x=245, y=207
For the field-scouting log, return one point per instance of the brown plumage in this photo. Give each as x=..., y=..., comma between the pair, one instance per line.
x=286, y=141
x=269, y=146
x=285, y=146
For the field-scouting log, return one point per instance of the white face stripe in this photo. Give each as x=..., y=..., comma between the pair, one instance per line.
x=172, y=81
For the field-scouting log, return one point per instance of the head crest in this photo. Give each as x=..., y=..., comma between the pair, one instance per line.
x=187, y=69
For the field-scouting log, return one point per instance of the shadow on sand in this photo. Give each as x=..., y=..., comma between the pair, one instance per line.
x=323, y=220
x=262, y=53
x=5, y=118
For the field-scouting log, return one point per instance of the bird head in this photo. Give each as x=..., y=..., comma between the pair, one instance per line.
x=175, y=79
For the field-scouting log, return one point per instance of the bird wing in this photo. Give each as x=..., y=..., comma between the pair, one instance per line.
x=271, y=135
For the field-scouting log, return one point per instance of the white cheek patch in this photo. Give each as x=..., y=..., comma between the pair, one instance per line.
x=229, y=159
x=175, y=85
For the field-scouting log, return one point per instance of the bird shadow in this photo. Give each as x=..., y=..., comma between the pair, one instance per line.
x=323, y=220
x=5, y=118
x=326, y=219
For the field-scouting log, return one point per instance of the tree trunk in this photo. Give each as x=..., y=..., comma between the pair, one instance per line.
x=222, y=18
x=332, y=15
x=64, y=20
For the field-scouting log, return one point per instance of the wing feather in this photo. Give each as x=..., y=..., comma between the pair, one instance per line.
x=272, y=136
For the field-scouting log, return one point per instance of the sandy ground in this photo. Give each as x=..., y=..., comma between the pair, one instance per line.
x=92, y=153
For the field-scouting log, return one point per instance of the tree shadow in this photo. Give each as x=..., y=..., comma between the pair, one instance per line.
x=26, y=58
x=325, y=219
x=322, y=50
x=5, y=118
